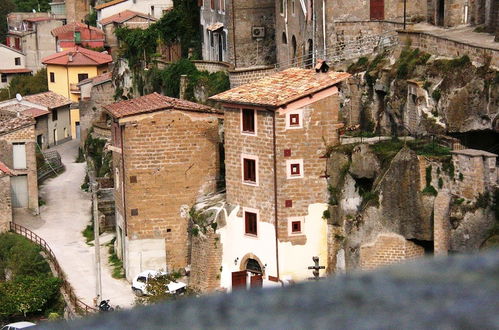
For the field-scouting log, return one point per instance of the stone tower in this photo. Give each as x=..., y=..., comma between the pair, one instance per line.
x=77, y=10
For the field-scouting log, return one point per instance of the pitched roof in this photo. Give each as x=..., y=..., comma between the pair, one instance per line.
x=12, y=71
x=75, y=26
x=33, y=112
x=14, y=123
x=281, y=88
x=48, y=99
x=97, y=79
x=11, y=49
x=78, y=56
x=5, y=169
x=108, y=4
x=123, y=17
x=154, y=102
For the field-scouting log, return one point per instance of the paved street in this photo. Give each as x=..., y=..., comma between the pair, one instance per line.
x=61, y=221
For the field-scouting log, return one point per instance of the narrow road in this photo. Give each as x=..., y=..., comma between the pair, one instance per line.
x=61, y=221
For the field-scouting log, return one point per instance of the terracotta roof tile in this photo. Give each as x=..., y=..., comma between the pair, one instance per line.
x=11, y=71
x=33, y=112
x=49, y=99
x=108, y=4
x=78, y=56
x=76, y=26
x=14, y=123
x=154, y=102
x=123, y=17
x=4, y=169
x=281, y=88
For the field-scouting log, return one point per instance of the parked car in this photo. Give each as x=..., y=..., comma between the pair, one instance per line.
x=139, y=283
x=18, y=325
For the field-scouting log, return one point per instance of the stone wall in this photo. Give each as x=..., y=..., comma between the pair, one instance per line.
x=25, y=135
x=388, y=249
x=5, y=203
x=170, y=159
x=76, y=10
x=206, y=262
x=246, y=76
x=444, y=47
x=212, y=66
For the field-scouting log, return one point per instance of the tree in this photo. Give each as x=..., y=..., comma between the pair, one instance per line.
x=29, y=5
x=6, y=6
x=26, y=85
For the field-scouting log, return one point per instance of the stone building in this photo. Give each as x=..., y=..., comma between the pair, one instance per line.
x=5, y=198
x=17, y=152
x=95, y=93
x=165, y=155
x=126, y=18
x=239, y=32
x=69, y=36
x=76, y=10
x=154, y=8
x=277, y=130
x=32, y=36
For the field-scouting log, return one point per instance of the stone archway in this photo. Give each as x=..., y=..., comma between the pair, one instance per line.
x=243, y=265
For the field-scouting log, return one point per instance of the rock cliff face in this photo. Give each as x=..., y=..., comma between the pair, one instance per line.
x=375, y=192
x=418, y=93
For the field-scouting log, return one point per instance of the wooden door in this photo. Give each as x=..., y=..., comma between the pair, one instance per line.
x=256, y=281
x=19, y=150
x=239, y=280
x=19, y=187
x=377, y=9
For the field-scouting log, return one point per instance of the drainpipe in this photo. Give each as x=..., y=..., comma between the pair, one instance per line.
x=234, y=33
x=122, y=131
x=275, y=194
x=324, y=28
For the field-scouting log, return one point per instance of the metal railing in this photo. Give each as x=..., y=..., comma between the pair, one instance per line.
x=53, y=164
x=79, y=306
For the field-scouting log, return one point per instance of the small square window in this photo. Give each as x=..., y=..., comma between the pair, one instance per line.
x=4, y=77
x=295, y=169
x=296, y=227
x=288, y=203
x=248, y=121
x=250, y=223
x=287, y=152
x=135, y=212
x=294, y=119
x=133, y=179
x=54, y=115
x=17, y=61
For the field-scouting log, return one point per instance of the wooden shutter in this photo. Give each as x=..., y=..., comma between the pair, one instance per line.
x=250, y=223
x=256, y=281
x=377, y=9
x=249, y=170
x=239, y=280
x=248, y=120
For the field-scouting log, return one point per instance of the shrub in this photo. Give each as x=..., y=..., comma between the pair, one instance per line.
x=430, y=190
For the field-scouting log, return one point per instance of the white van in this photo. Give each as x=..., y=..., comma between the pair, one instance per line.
x=18, y=325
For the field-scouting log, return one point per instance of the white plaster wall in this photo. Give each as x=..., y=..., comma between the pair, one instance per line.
x=141, y=6
x=236, y=244
x=144, y=254
x=7, y=62
x=294, y=260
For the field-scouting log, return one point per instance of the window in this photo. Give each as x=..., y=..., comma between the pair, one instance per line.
x=248, y=121
x=294, y=119
x=19, y=153
x=296, y=227
x=152, y=11
x=116, y=178
x=294, y=168
x=250, y=223
x=281, y=7
x=82, y=76
x=17, y=61
x=249, y=170
x=293, y=7
x=212, y=4
x=52, y=77
x=4, y=77
x=54, y=115
x=221, y=5
x=284, y=38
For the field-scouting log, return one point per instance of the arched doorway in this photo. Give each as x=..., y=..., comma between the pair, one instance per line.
x=255, y=273
x=250, y=267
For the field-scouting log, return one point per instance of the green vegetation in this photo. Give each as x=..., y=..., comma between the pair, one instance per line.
x=359, y=66
x=27, y=287
x=81, y=157
x=436, y=95
x=25, y=85
x=200, y=221
x=156, y=288
x=408, y=60
x=115, y=262
x=101, y=161
x=29, y=5
x=430, y=190
x=6, y=6
x=369, y=197
x=88, y=233
x=326, y=215
x=85, y=185
x=453, y=64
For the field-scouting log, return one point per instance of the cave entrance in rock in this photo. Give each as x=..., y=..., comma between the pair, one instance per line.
x=428, y=246
x=363, y=185
x=487, y=140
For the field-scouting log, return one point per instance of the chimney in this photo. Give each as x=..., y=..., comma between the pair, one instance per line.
x=70, y=57
x=183, y=86
x=321, y=66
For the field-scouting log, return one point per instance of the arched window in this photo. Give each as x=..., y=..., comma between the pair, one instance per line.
x=253, y=266
x=310, y=53
x=284, y=38
x=293, y=45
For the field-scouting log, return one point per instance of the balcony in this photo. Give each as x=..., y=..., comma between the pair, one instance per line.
x=74, y=89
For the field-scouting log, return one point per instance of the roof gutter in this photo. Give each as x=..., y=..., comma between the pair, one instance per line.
x=276, y=206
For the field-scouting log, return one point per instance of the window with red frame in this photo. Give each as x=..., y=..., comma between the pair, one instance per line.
x=250, y=220
x=248, y=121
x=212, y=4
x=249, y=170
x=295, y=169
x=294, y=119
x=296, y=227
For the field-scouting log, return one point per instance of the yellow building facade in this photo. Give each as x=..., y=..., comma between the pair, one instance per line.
x=66, y=69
